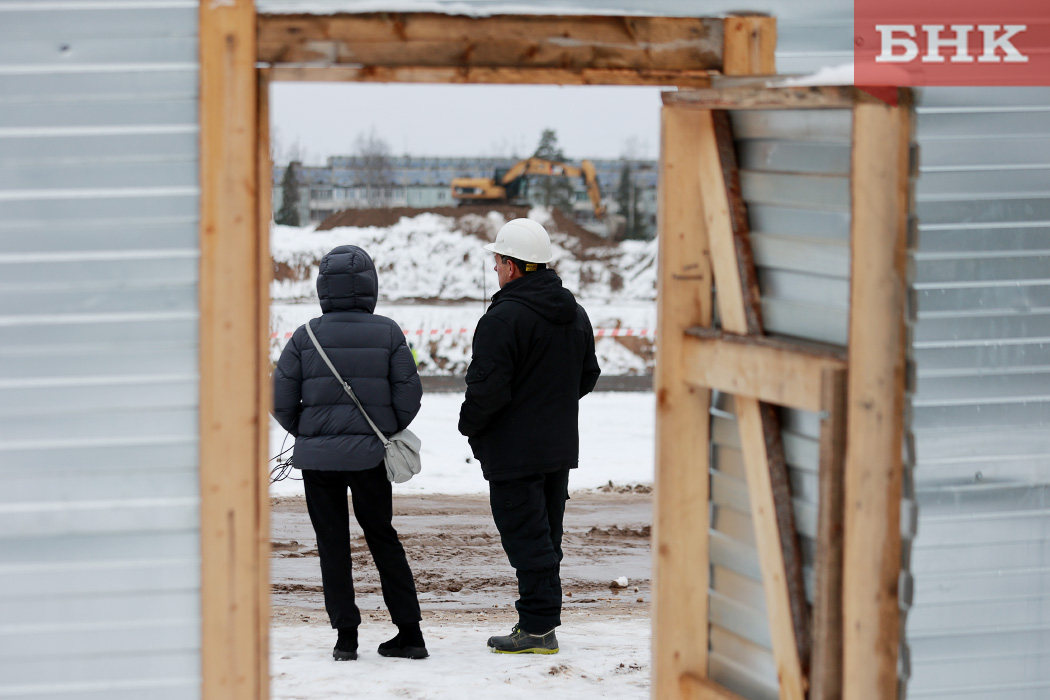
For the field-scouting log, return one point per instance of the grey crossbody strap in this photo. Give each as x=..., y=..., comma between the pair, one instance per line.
x=346, y=384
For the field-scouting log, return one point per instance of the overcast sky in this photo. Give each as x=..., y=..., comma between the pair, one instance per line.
x=464, y=120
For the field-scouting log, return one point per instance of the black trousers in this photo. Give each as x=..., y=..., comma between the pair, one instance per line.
x=373, y=507
x=528, y=512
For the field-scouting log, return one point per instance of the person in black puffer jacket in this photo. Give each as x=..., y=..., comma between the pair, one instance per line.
x=336, y=449
x=532, y=361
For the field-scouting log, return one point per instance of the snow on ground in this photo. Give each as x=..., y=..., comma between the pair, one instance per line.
x=616, y=444
x=426, y=257
x=599, y=658
x=435, y=280
x=430, y=256
x=442, y=333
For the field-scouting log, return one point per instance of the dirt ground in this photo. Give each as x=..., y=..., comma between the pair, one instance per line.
x=460, y=569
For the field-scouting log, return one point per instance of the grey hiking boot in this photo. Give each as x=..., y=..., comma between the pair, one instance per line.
x=521, y=642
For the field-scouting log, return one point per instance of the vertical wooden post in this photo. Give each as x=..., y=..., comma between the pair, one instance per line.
x=826, y=673
x=265, y=267
x=681, y=511
x=681, y=561
x=749, y=45
x=233, y=425
x=881, y=202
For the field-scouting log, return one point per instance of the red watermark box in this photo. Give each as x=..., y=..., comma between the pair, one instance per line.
x=951, y=42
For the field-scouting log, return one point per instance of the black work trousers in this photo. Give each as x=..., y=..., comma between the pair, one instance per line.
x=528, y=512
x=373, y=507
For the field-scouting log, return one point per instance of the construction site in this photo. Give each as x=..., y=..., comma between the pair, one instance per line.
x=821, y=476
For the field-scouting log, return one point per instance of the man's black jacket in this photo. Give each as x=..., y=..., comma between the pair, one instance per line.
x=368, y=350
x=533, y=359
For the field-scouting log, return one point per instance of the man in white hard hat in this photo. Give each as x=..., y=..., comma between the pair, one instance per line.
x=532, y=360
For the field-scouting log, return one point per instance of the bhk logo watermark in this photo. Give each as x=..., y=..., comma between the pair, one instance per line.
x=963, y=42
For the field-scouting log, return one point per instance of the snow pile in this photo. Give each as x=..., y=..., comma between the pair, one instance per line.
x=431, y=257
x=435, y=280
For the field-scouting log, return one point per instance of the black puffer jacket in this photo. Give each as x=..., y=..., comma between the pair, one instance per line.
x=368, y=350
x=533, y=359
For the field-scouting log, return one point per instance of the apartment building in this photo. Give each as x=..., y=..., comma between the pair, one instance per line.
x=422, y=182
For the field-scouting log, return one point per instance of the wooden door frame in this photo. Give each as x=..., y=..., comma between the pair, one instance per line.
x=860, y=394
x=235, y=195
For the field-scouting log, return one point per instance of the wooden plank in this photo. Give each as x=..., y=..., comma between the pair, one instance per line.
x=493, y=76
x=747, y=276
x=762, y=97
x=693, y=687
x=750, y=45
x=234, y=585
x=774, y=375
x=769, y=490
x=872, y=560
x=681, y=495
x=261, y=486
x=826, y=675
x=739, y=301
x=552, y=41
x=835, y=354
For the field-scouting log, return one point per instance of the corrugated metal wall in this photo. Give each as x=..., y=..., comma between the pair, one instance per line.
x=979, y=626
x=979, y=411
x=98, y=263
x=794, y=173
x=99, y=523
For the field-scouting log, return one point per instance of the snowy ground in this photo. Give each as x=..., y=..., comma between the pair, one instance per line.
x=430, y=267
x=604, y=638
x=605, y=658
x=616, y=444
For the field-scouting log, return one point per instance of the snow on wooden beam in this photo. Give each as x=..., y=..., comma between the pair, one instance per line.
x=566, y=43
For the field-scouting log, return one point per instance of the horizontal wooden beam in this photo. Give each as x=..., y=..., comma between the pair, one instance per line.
x=522, y=41
x=764, y=97
x=693, y=687
x=767, y=369
x=490, y=76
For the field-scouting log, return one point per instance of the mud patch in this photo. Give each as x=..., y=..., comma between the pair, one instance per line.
x=458, y=562
x=617, y=531
x=625, y=488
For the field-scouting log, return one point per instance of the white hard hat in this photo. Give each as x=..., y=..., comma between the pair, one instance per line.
x=523, y=239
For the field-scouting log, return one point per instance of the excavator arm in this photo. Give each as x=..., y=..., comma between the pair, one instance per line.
x=486, y=189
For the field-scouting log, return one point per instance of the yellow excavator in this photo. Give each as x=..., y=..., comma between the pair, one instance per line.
x=506, y=186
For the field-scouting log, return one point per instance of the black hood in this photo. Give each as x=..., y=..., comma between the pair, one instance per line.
x=542, y=292
x=347, y=280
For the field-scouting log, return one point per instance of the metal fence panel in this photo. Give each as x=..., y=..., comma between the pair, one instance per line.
x=99, y=514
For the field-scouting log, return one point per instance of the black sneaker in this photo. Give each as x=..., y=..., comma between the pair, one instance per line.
x=346, y=646
x=408, y=644
x=521, y=642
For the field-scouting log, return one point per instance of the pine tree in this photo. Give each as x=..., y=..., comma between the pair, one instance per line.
x=289, y=212
x=552, y=191
x=627, y=201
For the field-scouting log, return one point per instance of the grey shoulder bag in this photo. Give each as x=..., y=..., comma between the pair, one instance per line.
x=402, y=448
